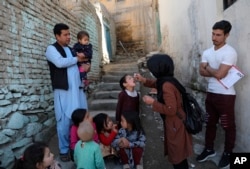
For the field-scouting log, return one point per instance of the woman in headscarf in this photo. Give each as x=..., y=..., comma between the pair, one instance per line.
x=177, y=142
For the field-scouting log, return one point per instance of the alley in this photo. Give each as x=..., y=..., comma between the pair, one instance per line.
x=104, y=99
x=133, y=27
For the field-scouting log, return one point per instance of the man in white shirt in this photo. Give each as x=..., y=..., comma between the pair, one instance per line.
x=215, y=64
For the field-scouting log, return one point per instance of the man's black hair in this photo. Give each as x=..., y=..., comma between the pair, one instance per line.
x=223, y=25
x=59, y=27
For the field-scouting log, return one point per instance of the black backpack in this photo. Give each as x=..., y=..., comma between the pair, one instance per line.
x=194, y=113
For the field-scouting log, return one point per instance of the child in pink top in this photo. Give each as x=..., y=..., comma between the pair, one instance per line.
x=78, y=116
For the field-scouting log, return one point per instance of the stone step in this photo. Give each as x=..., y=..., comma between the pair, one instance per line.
x=106, y=94
x=111, y=78
x=109, y=86
x=119, y=67
x=103, y=104
x=128, y=63
x=110, y=113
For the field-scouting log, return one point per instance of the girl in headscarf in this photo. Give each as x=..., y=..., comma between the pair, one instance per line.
x=177, y=142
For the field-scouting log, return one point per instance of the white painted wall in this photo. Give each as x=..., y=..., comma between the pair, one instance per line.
x=186, y=28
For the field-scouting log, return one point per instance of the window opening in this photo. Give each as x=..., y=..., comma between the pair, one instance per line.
x=228, y=3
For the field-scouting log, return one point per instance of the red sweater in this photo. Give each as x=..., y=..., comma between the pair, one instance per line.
x=126, y=103
x=107, y=138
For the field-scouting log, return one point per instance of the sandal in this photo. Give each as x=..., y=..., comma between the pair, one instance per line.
x=65, y=157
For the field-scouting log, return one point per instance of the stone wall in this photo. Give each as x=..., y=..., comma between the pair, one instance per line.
x=26, y=99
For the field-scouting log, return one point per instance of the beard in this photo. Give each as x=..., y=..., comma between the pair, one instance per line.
x=215, y=43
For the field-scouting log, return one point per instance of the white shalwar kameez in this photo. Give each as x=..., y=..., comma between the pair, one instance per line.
x=66, y=101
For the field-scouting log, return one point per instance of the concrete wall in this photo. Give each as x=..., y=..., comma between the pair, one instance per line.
x=135, y=23
x=26, y=99
x=186, y=31
x=107, y=20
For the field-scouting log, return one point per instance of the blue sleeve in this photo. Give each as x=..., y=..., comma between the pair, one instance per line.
x=140, y=142
x=57, y=59
x=121, y=133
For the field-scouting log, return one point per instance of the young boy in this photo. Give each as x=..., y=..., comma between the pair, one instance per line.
x=87, y=153
x=128, y=99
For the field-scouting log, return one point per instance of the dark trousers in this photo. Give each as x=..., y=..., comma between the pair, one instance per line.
x=221, y=107
x=181, y=165
x=137, y=154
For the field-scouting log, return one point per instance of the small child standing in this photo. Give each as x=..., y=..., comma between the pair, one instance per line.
x=83, y=46
x=130, y=141
x=78, y=116
x=106, y=131
x=37, y=156
x=128, y=99
x=87, y=153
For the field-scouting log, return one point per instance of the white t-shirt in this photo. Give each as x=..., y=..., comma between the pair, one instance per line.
x=224, y=55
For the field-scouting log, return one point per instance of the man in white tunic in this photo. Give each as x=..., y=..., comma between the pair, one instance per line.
x=66, y=83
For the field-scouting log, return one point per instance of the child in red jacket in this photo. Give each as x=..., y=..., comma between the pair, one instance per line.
x=106, y=131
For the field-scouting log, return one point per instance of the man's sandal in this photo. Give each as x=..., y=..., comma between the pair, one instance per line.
x=65, y=157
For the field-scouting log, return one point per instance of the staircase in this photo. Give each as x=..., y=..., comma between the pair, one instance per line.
x=104, y=98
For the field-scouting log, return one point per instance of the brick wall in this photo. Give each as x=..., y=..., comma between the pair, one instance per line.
x=26, y=99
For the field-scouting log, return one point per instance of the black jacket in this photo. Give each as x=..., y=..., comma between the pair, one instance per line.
x=59, y=76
